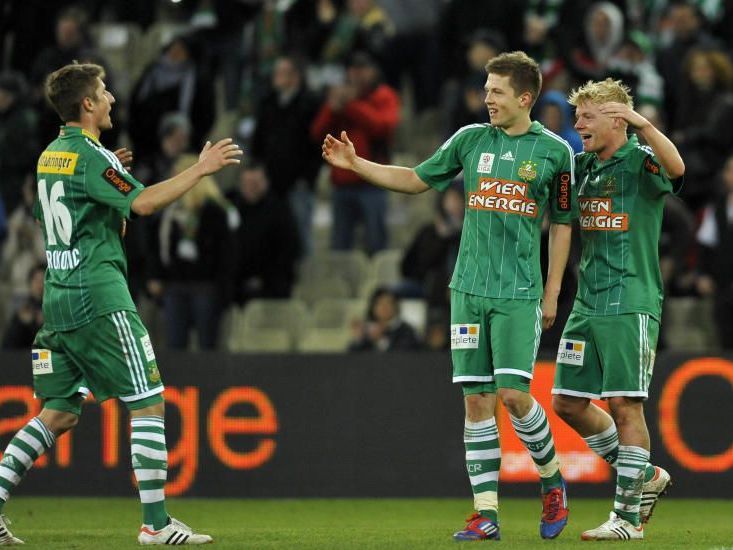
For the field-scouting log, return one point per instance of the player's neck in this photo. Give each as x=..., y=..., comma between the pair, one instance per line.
x=86, y=126
x=519, y=126
x=612, y=147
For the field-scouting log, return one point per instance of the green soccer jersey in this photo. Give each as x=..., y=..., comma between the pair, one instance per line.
x=508, y=183
x=84, y=196
x=621, y=202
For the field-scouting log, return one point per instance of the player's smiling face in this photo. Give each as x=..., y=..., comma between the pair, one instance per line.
x=103, y=105
x=505, y=107
x=595, y=129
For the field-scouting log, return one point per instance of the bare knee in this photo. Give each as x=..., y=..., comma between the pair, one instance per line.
x=517, y=402
x=626, y=410
x=479, y=406
x=58, y=422
x=569, y=408
x=158, y=409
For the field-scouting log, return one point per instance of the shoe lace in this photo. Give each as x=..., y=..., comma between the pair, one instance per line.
x=551, y=503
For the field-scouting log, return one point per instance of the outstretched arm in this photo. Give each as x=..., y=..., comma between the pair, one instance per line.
x=558, y=252
x=664, y=149
x=212, y=159
x=341, y=154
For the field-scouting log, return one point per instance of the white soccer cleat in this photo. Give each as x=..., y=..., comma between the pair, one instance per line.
x=652, y=490
x=6, y=537
x=615, y=528
x=174, y=533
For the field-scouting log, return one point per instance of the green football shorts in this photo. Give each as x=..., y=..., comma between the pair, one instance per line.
x=607, y=356
x=112, y=357
x=494, y=342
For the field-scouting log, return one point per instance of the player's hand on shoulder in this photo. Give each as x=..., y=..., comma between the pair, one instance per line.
x=124, y=155
x=614, y=109
x=339, y=152
x=214, y=157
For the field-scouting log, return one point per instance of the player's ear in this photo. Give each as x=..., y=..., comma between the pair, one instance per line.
x=87, y=104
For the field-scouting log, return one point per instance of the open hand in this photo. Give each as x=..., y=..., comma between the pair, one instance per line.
x=549, y=312
x=124, y=155
x=614, y=109
x=339, y=153
x=215, y=157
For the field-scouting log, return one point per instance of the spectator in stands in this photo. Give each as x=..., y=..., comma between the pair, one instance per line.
x=715, y=238
x=703, y=121
x=687, y=26
x=28, y=318
x=72, y=42
x=196, y=249
x=463, y=94
x=141, y=240
x=362, y=25
x=18, y=139
x=383, y=329
x=267, y=243
x=413, y=49
x=178, y=81
x=554, y=111
x=283, y=143
x=369, y=111
x=603, y=27
x=634, y=64
x=429, y=259
x=24, y=247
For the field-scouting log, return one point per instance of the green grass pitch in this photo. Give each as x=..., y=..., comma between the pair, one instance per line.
x=81, y=523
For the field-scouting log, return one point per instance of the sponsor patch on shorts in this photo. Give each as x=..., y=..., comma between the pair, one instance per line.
x=464, y=336
x=42, y=363
x=571, y=352
x=147, y=348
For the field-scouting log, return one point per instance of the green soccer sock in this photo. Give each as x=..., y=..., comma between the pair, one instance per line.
x=483, y=459
x=27, y=445
x=605, y=445
x=150, y=463
x=629, y=478
x=534, y=432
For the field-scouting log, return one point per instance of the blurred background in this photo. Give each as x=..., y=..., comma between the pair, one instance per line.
x=311, y=272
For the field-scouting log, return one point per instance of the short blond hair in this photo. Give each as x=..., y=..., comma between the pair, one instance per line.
x=205, y=190
x=602, y=91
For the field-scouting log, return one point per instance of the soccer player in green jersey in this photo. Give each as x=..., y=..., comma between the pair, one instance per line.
x=608, y=344
x=92, y=338
x=514, y=171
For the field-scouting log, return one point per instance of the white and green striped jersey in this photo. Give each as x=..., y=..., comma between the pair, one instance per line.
x=621, y=203
x=84, y=195
x=508, y=181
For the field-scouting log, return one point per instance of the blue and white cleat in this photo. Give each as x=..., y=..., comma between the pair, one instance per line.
x=554, y=512
x=478, y=527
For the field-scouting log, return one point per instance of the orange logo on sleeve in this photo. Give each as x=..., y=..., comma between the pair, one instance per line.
x=113, y=177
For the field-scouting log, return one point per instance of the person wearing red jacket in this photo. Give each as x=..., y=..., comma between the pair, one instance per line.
x=370, y=112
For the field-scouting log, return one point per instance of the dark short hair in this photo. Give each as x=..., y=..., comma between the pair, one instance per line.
x=67, y=87
x=523, y=72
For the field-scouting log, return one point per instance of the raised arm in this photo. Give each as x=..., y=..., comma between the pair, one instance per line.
x=341, y=154
x=212, y=159
x=665, y=151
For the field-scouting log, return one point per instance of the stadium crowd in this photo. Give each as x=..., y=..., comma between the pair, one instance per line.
x=400, y=76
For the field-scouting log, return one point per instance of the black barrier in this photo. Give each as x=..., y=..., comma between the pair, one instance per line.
x=356, y=425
